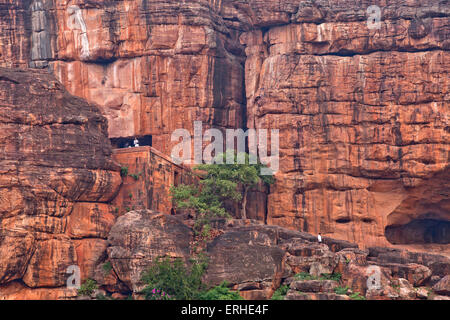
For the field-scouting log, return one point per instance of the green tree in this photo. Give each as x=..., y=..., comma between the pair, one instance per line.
x=221, y=292
x=88, y=288
x=219, y=183
x=280, y=293
x=175, y=279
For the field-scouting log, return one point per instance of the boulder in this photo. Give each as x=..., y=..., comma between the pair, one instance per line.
x=245, y=255
x=437, y=263
x=422, y=293
x=443, y=286
x=138, y=238
x=416, y=274
x=406, y=290
x=49, y=263
x=362, y=158
x=55, y=161
x=314, y=285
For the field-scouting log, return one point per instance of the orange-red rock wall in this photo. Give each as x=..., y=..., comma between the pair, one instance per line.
x=57, y=178
x=363, y=114
x=146, y=185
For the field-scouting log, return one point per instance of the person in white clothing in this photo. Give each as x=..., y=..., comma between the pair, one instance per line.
x=136, y=142
x=319, y=238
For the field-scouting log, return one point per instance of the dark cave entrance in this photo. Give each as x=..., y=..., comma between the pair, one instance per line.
x=420, y=231
x=120, y=143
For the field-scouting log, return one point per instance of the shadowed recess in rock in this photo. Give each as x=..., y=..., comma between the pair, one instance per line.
x=420, y=231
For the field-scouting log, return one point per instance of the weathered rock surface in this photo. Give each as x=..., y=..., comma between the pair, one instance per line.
x=443, y=286
x=362, y=113
x=56, y=177
x=406, y=290
x=438, y=264
x=314, y=285
x=363, y=117
x=139, y=237
x=296, y=295
x=246, y=255
x=257, y=259
x=152, y=66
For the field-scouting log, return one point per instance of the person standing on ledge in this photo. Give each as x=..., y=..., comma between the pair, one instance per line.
x=319, y=238
x=136, y=142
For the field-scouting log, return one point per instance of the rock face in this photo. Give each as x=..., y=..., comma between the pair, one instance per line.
x=248, y=258
x=257, y=259
x=363, y=116
x=443, y=286
x=139, y=238
x=362, y=112
x=152, y=66
x=56, y=178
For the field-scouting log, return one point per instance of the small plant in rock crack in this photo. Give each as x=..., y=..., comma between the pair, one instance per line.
x=324, y=276
x=395, y=286
x=124, y=171
x=357, y=296
x=135, y=176
x=305, y=276
x=88, y=288
x=220, y=292
x=341, y=290
x=331, y=276
x=107, y=268
x=280, y=293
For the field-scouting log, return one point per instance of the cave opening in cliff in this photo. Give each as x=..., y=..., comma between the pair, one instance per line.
x=419, y=231
x=120, y=143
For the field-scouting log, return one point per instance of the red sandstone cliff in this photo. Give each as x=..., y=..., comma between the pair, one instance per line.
x=363, y=114
x=56, y=178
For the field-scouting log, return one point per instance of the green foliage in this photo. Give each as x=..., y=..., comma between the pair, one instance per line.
x=221, y=292
x=305, y=276
x=101, y=296
x=431, y=294
x=124, y=171
x=130, y=195
x=357, y=296
x=205, y=230
x=205, y=205
x=175, y=279
x=87, y=288
x=135, y=176
x=280, y=292
x=107, y=267
x=341, y=290
x=218, y=183
x=171, y=279
x=333, y=276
